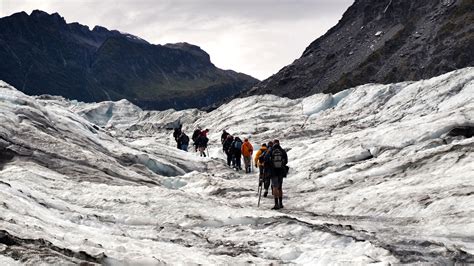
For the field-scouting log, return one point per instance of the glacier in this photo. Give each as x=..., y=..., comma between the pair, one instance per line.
x=379, y=174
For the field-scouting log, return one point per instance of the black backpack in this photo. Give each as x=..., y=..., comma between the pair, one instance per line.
x=261, y=158
x=185, y=139
x=277, y=158
x=196, y=135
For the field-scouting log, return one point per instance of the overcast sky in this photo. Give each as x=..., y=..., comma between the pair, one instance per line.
x=256, y=37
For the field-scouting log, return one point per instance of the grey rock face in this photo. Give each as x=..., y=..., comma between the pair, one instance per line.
x=383, y=42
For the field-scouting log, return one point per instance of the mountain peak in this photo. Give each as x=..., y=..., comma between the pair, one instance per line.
x=99, y=29
x=381, y=42
x=191, y=48
x=39, y=13
x=55, y=17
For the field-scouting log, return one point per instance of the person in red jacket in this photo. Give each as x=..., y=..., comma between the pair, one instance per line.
x=247, y=151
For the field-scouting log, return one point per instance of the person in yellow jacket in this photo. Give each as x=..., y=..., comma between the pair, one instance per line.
x=259, y=163
x=247, y=151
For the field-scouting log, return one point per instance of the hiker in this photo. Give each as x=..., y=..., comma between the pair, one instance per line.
x=259, y=163
x=224, y=136
x=201, y=143
x=267, y=165
x=176, y=134
x=278, y=158
x=237, y=152
x=183, y=141
x=247, y=151
x=194, y=137
x=227, y=147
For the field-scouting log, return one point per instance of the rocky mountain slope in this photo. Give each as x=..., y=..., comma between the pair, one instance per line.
x=42, y=54
x=378, y=174
x=381, y=41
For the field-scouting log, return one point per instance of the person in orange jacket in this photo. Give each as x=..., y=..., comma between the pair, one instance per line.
x=260, y=164
x=247, y=151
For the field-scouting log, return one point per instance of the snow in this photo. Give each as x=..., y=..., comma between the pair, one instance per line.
x=375, y=177
x=8, y=261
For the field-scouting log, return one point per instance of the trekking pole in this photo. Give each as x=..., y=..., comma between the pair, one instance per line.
x=260, y=183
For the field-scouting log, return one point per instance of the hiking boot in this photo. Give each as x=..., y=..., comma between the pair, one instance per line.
x=276, y=207
x=265, y=193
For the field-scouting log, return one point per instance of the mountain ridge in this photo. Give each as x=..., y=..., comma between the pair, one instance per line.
x=43, y=54
x=381, y=42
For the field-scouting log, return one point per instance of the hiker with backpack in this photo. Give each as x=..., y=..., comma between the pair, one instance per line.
x=278, y=160
x=224, y=136
x=195, y=136
x=267, y=165
x=259, y=163
x=227, y=147
x=247, y=151
x=183, y=141
x=237, y=153
x=176, y=134
x=201, y=143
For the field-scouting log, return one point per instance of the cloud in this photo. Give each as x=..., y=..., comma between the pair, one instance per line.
x=256, y=37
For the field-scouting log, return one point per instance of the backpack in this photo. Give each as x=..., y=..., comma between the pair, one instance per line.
x=227, y=145
x=277, y=158
x=261, y=158
x=196, y=134
x=176, y=133
x=185, y=139
x=238, y=145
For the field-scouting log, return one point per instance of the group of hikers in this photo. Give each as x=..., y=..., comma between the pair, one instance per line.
x=199, y=138
x=271, y=159
x=235, y=149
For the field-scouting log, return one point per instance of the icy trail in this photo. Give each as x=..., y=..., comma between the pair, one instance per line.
x=379, y=173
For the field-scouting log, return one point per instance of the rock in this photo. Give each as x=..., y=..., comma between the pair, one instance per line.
x=440, y=31
x=417, y=35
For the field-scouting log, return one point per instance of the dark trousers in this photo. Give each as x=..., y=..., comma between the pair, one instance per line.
x=229, y=158
x=264, y=178
x=237, y=160
x=277, y=177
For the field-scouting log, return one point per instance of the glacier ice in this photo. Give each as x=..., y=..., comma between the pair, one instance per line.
x=376, y=177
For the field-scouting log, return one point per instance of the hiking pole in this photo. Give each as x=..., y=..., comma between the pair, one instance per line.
x=260, y=183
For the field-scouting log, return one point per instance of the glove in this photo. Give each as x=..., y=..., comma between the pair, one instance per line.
x=256, y=166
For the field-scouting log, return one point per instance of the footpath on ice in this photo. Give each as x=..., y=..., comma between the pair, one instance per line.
x=378, y=174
